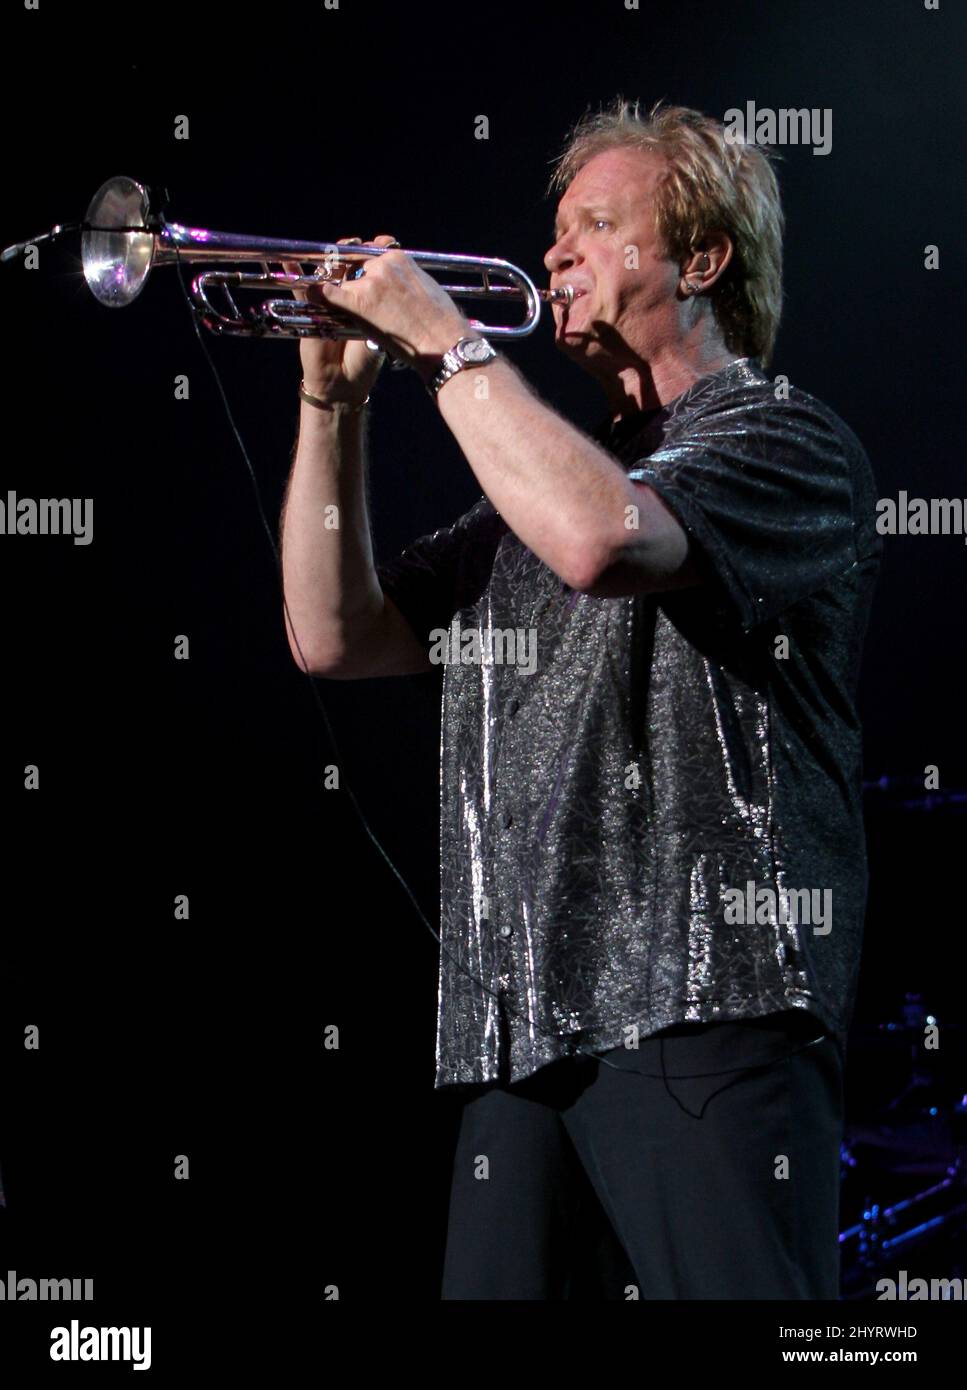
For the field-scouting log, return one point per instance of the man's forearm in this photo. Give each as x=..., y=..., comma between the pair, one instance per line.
x=558, y=491
x=328, y=569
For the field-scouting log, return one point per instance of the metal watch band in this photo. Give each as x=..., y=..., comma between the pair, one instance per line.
x=452, y=363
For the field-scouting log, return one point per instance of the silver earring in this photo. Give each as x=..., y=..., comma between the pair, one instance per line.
x=691, y=287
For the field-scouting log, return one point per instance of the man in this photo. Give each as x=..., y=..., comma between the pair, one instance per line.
x=653, y=872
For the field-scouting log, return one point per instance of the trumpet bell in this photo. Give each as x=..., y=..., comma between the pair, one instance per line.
x=116, y=262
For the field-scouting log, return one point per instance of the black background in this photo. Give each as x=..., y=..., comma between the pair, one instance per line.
x=205, y=777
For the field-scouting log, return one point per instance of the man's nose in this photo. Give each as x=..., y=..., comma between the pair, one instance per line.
x=558, y=258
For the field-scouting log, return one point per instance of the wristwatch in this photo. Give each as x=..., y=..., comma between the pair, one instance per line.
x=468, y=352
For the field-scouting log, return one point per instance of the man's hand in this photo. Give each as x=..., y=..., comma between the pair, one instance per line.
x=402, y=308
x=336, y=369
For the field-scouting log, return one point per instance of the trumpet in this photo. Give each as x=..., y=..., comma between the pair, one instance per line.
x=122, y=241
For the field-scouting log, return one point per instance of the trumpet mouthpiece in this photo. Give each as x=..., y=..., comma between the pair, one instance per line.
x=564, y=294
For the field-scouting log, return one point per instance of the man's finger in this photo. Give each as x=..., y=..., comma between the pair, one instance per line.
x=294, y=268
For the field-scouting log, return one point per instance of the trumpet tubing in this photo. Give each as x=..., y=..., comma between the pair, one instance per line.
x=122, y=242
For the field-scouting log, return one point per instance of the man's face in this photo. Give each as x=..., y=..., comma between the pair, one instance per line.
x=607, y=210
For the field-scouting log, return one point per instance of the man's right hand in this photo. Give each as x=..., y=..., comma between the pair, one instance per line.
x=337, y=369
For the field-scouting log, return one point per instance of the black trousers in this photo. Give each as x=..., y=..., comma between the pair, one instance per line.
x=715, y=1175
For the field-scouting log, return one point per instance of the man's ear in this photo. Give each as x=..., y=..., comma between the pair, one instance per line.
x=708, y=260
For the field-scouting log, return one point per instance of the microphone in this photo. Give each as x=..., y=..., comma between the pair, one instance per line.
x=11, y=253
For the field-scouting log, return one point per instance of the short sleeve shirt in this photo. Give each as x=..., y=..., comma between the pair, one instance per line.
x=651, y=804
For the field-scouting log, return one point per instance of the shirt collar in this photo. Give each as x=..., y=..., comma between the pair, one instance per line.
x=613, y=434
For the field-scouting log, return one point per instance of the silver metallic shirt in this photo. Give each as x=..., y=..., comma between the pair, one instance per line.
x=653, y=815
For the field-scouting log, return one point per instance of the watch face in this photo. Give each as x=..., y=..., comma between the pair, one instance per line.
x=477, y=351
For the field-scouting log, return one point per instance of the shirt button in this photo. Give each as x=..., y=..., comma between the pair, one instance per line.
x=504, y=929
x=506, y=819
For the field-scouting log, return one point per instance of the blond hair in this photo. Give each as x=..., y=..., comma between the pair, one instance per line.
x=709, y=185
